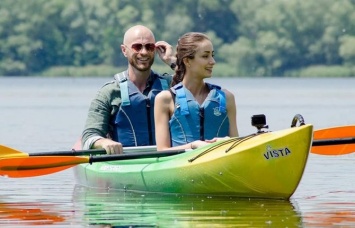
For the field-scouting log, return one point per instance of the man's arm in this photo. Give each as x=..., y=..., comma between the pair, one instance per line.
x=102, y=107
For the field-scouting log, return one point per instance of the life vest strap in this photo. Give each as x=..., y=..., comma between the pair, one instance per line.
x=123, y=81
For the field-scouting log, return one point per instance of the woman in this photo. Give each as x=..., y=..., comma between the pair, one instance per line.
x=193, y=113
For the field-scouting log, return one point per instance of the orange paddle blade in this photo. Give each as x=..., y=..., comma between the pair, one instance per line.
x=38, y=166
x=333, y=133
x=7, y=152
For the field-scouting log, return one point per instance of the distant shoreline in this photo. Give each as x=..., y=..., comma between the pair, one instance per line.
x=220, y=70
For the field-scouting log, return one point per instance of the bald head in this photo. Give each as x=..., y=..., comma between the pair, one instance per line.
x=138, y=34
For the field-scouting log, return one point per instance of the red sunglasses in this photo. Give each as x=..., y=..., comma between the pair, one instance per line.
x=150, y=47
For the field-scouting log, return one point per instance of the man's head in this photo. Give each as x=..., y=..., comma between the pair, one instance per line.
x=139, y=47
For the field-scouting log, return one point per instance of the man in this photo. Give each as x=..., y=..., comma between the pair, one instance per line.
x=122, y=113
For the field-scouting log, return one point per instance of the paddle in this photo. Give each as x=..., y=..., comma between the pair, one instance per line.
x=334, y=141
x=18, y=164
x=31, y=166
x=333, y=135
x=7, y=152
x=41, y=165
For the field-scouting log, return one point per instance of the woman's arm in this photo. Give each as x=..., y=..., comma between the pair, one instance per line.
x=162, y=112
x=232, y=114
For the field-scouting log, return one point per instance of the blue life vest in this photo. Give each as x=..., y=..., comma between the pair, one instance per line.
x=191, y=122
x=134, y=120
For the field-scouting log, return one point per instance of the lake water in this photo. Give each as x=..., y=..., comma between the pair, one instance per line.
x=43, y=114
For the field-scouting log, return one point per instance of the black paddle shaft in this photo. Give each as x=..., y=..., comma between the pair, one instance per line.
x=331, y=142
x=128, y=156
x=70, y=153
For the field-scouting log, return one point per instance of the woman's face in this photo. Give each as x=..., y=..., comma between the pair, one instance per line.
x=202, y=64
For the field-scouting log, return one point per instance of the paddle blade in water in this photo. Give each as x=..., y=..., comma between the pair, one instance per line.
x=37, y=166
x=332, y=133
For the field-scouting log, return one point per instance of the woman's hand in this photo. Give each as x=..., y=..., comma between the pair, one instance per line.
x=198, y=143
x=217, y=139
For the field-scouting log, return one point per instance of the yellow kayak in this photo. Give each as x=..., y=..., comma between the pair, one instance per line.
x=263, y=165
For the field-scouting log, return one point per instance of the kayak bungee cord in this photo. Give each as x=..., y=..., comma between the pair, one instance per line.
x=236, y=141
x=242, y=140
x=258, y=121
x=297, y=118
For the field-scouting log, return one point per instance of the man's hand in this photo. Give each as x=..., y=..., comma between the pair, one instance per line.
x=111, y=147
x=165, y=52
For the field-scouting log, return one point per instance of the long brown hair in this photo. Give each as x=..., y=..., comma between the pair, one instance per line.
x=186, y=48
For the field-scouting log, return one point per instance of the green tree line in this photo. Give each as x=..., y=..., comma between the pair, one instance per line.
x=250, y=37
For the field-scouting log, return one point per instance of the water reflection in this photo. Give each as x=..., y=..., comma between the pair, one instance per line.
x=117, y=208
x=113, y=208
x=29, y=214
x=329, y=210
x=330, y=219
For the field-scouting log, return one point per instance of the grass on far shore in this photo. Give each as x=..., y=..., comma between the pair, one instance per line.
x=220, y=70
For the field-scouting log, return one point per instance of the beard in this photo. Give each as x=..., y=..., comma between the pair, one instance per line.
x=141, y=66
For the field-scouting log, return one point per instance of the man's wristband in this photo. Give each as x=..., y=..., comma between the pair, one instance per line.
x=172, y=66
